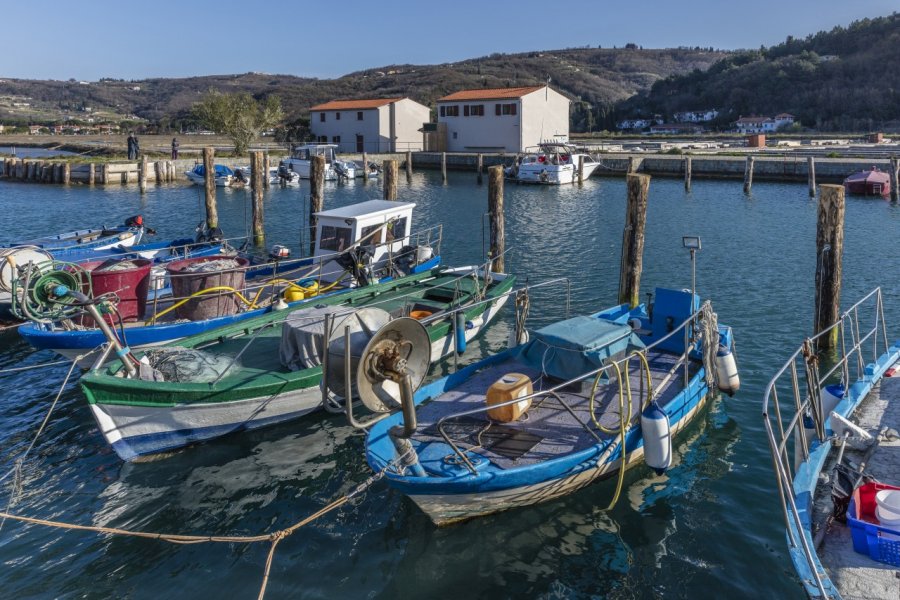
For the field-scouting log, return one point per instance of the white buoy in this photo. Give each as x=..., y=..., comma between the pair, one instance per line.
x=726, y=371
x=657, y=437
x=831, y=396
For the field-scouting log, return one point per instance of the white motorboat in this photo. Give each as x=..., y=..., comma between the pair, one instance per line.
x=225, y=176
x=301, y=156
x=551, y=163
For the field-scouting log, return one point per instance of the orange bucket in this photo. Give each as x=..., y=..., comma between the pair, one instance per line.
x=418, y=315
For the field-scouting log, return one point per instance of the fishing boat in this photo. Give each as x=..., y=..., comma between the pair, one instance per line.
x=268, y=369
x=98, y=238
x=357, y=245
x=552, y=163
x=581, y=400
x=225, y=176
x=868, y=183
x=838, y=481
x=301, y=157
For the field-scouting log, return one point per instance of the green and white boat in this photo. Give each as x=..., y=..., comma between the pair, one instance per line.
x=268, y=369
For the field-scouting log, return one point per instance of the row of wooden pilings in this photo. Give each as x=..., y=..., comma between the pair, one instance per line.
x=44, y=171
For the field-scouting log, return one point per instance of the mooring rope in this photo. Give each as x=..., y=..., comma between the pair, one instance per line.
x=40, y=366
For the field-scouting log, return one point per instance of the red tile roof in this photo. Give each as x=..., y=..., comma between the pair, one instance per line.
x=491, y=93
x=354, y=104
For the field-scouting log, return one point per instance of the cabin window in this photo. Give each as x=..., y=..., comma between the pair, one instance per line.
x=396, y=230
x=359, y=116
x=375, y=239
x=337, y=116
x=321, y=117
x=335, y=239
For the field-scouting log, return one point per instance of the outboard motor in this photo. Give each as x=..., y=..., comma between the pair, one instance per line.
x=135, y=221
x=204, y=234
x=358, y=261
x=340, y=170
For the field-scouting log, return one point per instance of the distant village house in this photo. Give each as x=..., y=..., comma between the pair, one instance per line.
x=373, y=125
x=696, y=116
x=676, y=129
x=639, y=123
x=763, y=124
x=502, y=119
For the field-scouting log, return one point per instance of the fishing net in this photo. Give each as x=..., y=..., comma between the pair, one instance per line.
x=844, y=481
x=111, y=267
x=212, y=266
x=709, y=337
x=187, y=365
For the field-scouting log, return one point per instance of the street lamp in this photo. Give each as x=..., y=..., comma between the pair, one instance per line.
x=692, y=243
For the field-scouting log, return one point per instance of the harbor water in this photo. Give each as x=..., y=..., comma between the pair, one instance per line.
x=711, y=527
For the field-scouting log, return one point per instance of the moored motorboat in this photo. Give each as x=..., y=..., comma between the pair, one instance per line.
x=552, y=163
x=301, y=157
x=225, y=176
x=582, y=400
x=841, y=541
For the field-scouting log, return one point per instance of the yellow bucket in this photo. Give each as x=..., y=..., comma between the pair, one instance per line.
x=301, y=291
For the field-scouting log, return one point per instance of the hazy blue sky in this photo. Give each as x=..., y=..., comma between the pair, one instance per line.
x=57, y=39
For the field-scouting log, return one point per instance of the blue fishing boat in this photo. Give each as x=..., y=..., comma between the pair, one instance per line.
x=365, y=243
x=224, y=176
x=97, y=238
x=583, y=399
x=842, y=528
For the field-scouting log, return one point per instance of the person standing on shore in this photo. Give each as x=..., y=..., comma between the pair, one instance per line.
x=132, y=143
x=137, y=147
x=174, y=148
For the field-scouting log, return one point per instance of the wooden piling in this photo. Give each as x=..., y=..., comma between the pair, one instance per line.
x=389, y=172
x=316, y=197
x=258, y=181
x=632, y=164
x=57, y=172
x=748, y=175
x=158, y=170
x=142, y=174
x=67, y=173
x=170, y=170
x=495, y=211
x=811, y=175
x=829, y=252
x=581, y=169
x=365, y=160
x=444, y=167
x=687, y=173
x=265, y=170
x=409, y=166
x=104, y=171
x=91, y=175
x=209, y=166
x=479, y=167
x=895, y=179
x=20, y=169
x=633, y=239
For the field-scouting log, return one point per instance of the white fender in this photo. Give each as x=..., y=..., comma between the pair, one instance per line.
x=727, y=377
x=657, y=438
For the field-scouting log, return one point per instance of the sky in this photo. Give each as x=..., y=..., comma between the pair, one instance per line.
x=166, y=38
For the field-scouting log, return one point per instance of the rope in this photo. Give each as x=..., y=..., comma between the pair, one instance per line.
x=40, y=366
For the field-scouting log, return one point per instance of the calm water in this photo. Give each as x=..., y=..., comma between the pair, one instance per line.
x=708, y=528
x=29, y=152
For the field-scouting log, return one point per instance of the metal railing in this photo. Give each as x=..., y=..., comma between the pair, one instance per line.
x=803, y=380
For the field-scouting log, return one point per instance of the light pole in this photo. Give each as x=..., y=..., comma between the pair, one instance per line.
x=692, y=243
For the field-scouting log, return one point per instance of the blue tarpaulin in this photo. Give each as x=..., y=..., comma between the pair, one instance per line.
x=221, y=170
x=576, y=346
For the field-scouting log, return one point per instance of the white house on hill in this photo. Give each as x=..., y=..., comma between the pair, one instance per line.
x=763, y=124
x=373, y=125
x=503, y=119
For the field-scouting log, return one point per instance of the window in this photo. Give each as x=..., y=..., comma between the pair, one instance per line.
x=454, y=135
x=359, y=116
x=375, y=239
x=466, y=110
x=336, y=139
x=321, y=117
x=323, y=139
x=476, y=110
x=396, y=230
x=509, y=109
x=335, y=239
x=450, y=111
x=337, y=116
x=443, y=111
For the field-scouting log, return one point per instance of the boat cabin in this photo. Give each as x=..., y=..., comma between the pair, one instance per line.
x=307, y=151
x=381, y=226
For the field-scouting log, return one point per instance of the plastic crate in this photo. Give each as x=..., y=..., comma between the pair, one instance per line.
x=877, y=541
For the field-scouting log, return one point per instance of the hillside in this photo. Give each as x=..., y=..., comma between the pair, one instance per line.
x=841, y=80
x=595, y=78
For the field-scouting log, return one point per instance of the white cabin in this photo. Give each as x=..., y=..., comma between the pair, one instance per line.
x=382, y=224
x=301, y=158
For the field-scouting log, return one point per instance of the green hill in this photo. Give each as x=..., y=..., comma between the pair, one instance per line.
x=840, y=80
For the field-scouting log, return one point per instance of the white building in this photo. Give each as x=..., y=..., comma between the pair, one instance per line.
x=763, y=124
x=503, y=119
x=696, y=116
x=375, y=125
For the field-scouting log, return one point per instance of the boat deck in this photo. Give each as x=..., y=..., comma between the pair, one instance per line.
x=856, y=576
x=555, y=424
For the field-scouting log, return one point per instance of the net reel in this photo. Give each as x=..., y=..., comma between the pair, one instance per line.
x=41, y=291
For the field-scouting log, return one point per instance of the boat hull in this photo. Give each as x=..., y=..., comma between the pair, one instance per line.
x=554, y=174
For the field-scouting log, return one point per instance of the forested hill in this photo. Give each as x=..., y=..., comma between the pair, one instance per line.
x=844, y=79
x=595, y=78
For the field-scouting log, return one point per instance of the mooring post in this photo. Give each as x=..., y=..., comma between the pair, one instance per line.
x=67, y=173
x=104, y=173
x=632, y=164
x=365, y=161
x=748, y=175
x=259, y=175
x=389, y=169
x=266, y=165
x=811, y=175
x=209, y=178
x=479, y=168
x=158, y=171
x=142, y=174
x=687, y=173
x=316, y=197
x=829, y=253
x=20, y=169
x=57, y=172
x=580, y=169
x=633, y=239
x=444, y=167
x=895, y=178
x=409, y=166
x=91, y=175
x=495, y=210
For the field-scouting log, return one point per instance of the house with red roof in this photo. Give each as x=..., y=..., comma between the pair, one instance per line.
x=370, y=125
x=503, y=119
